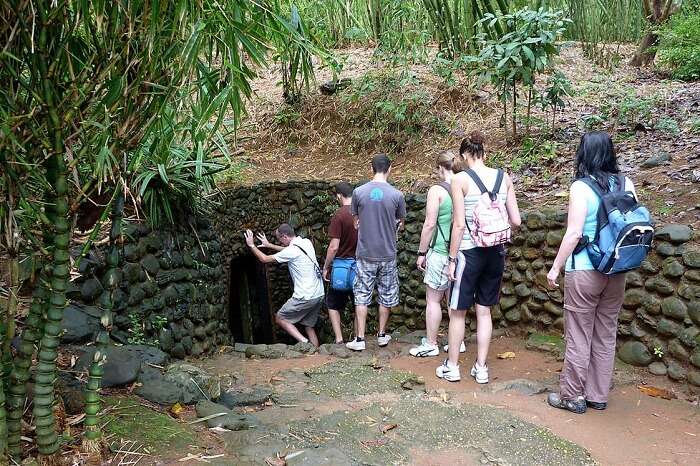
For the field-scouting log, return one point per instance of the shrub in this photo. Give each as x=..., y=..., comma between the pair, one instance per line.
x=679, y=47
x=389, y=110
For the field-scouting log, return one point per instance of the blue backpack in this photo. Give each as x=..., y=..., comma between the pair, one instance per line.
x=343, y=273
x=624, y=232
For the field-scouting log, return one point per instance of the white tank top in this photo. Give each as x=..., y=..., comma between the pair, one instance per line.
x=488, y=177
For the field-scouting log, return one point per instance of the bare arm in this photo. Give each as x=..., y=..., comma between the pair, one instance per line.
x=356, y=221
x=512, y=205
x=264, y=243
x=330, y=255
x=459, y=189
x=261, y=256
x=578, y=209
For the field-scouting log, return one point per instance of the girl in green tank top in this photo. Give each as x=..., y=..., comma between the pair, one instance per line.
x=433, y=254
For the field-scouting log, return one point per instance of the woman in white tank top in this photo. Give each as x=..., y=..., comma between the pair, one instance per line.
x=476, y=272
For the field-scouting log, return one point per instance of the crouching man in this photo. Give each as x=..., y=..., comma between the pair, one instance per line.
x=305, y=304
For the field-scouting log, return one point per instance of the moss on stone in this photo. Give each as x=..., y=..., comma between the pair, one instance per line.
x=157, y=432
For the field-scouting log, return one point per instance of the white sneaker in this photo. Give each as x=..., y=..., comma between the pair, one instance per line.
x=462, y=348
x=383, y=340
x=355, y=344
x=447, y=372
x=425, y=349
x=480, y=373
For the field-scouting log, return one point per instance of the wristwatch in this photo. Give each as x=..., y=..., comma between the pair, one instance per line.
x=420, y=253
x=452, y=259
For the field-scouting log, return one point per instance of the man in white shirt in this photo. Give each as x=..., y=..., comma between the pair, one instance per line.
x=305, y=304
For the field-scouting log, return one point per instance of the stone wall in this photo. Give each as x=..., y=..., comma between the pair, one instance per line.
x=171, y=294
x=659, y=325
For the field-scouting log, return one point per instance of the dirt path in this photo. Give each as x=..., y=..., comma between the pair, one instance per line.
x=326, y=410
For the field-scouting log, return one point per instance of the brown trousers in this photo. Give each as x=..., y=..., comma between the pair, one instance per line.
x=592, y=302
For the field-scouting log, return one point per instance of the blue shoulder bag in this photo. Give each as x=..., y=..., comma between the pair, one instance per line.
x=343, y=273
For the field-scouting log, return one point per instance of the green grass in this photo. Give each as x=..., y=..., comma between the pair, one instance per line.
x=157, y=433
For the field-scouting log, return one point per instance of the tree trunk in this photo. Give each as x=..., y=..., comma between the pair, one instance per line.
x=657, y=12
x=646, y=52
x=93, y=435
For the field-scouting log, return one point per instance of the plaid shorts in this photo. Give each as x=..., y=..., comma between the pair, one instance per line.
x=384, y=274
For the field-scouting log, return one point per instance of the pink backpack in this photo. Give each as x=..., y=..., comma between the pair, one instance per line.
x=490, y=217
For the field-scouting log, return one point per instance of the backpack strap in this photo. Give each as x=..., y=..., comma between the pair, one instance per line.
x=593, y=184
x=499, y=182
x=477, y=180
x=621, y=182
x=318, y=269
x=446, y=186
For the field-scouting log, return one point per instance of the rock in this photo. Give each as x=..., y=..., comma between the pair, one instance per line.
x=656, y=160
x=535, y=221
x=542, y=342
x=689, y=292
x=691, y=258
x=676, y=371
x=90, y=289
x=554, y=238
x=241, y=347
x=668, y=328
x=333, y=86
x=553, y=309
x=80, y=323
x=156, y=388
x=658, y=368
x=339, y=351
x=690, y=337
x=523, y=290
x=228, y=419
x=674, y=233
x=123, y=362
x=634, y=280
x=674, y=308
x=678, y=351
x=304, y=348
x=188, y=374
x=635, y=298
x=673, y=269
x=694, y=378
x=252, y=396
x=695, y=358
x=659, y=284
x=72, y=393
x=508, y=302
x=524, y=386
x=635, y=354
x=513, y=315
x=665, y=249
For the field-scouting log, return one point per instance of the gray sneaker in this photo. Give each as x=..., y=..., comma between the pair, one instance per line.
x=577, y=406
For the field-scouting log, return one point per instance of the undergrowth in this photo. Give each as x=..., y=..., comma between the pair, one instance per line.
x=389, y=111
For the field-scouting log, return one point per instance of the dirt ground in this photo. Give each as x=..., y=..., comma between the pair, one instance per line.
x=326, y=410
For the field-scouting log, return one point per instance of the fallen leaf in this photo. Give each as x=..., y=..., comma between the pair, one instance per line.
x=387, y=427
x=177, y=409
x=374, y=443
x=657, y=392
x=277, y=461
x=507, y=355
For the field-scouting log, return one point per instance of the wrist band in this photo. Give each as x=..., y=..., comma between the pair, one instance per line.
x=420, y=253
x=451, y=259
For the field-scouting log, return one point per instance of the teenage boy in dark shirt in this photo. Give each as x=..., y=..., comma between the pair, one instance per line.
x=342, y=246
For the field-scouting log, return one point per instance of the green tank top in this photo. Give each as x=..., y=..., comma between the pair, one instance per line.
x=441, y=237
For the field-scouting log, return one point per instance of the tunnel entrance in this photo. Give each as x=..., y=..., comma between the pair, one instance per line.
x=250, y=317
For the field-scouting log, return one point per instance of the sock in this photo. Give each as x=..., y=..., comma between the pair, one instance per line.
x=304, y=340
x=360, y=338
x=382, y=335
x=452, y=366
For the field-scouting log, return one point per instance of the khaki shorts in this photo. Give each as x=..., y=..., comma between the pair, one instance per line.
x=436, y=271
x=301, y=311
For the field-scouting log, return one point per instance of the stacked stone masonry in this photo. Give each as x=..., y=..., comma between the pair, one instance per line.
x=172, y=291
x=659, y=325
